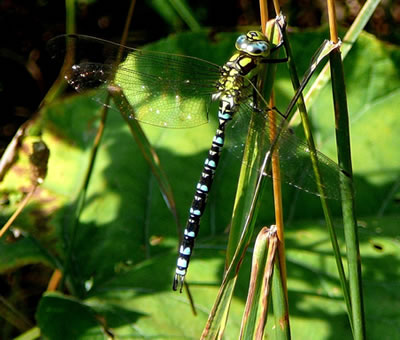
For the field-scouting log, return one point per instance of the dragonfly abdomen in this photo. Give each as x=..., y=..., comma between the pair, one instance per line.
x=225, y=114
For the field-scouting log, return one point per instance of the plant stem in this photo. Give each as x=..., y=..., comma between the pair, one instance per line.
x=348, y=206
x=347, y=191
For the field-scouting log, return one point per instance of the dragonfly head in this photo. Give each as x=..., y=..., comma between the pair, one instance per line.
x=253, y=43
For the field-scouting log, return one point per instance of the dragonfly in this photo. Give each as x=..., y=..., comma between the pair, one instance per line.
x=176, y=91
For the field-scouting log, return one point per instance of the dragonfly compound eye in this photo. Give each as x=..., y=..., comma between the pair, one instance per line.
x=253, y=43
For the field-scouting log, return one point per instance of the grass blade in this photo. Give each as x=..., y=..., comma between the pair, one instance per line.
x=148, y=151
x=279, y=304
x=324, y=203
x=182, y=8
x=259, y=260
x=347, y=190
x=348, y=204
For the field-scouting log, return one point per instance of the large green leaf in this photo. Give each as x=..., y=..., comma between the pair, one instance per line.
x=61, y=317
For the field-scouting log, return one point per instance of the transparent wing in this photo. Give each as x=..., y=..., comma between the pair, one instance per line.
x=164, y=89
x=294, y=154
x=298, y=170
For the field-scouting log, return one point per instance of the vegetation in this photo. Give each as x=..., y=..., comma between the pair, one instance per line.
x=111, y=229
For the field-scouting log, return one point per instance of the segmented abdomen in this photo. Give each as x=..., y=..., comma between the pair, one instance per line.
x=225, y=114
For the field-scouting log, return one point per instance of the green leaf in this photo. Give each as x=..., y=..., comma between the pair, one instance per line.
x=22, y=252
x=61, y=317
x=315, y=301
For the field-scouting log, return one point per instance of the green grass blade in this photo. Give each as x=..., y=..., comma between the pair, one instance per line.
x=324, y=202
x=182, y=8
x=32, y=334
x=176, y=13
x=266, y=281
x=148, y=151
x=79, y=204
x=260, y=252
x=13, y=316
x=272, y=258
x=348, y=204
x=70, y=16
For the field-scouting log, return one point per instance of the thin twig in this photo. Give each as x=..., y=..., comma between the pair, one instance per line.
x=21, y=206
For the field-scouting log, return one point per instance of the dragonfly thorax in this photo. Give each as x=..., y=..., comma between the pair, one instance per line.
x=251, y=49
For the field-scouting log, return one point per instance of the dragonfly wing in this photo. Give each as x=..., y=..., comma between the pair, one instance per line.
x=164, y=89
x=299, y=170
x=295, y=156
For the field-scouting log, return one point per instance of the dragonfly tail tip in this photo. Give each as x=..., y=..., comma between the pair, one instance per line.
x=178, y=282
